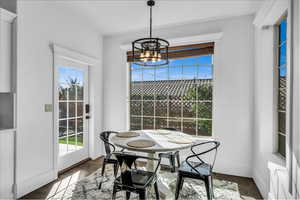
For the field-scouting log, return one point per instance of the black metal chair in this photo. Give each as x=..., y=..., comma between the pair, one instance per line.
x=171, y=155
x=134, y=180
x=109, y=149
x=198, y=170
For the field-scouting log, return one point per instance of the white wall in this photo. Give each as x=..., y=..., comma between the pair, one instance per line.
x=39, y=24
x=233, y=80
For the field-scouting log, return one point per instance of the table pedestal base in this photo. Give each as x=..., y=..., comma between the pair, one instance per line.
x=162, y=186
x=150, y=163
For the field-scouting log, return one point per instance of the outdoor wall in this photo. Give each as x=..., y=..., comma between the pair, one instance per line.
x=39, y=24
x=233, y=86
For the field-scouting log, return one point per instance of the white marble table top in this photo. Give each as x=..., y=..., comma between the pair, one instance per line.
x=165, y=140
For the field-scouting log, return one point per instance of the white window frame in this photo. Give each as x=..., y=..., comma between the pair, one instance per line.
x=276, y=88
x=181, y=118
x=267, y=18
x=213, y=37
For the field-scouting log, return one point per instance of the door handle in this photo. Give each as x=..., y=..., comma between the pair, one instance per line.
x=87, y=108
x=87, y=111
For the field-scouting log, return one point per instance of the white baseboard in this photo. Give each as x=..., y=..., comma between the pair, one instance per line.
x=234, y=170
x=35, y=182
x=271, y=196
x=261, y=184
x=96, y=155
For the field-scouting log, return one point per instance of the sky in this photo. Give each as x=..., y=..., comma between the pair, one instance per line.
x=187, y=68
x=282, y=50
x=177, y=72
x=65, y=73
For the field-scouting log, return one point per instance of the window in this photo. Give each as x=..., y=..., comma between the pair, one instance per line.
x=281, y=69
x=178, y=95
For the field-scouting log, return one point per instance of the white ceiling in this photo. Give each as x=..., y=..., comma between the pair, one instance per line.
x=116, y=16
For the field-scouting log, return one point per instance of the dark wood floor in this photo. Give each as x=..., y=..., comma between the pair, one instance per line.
x=247, y=186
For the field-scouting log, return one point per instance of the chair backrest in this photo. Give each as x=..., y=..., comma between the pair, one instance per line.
x=104, y=136
x=126, y=160
x=206, y=147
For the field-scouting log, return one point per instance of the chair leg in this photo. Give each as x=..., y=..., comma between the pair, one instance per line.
x=128, y=195
x=212, y=186
x=208, y=188
x=102, y=173
x=100, y=185
x=103, y=168
x=114, y=194
x=178, y=158
x=156, y=191
x=142, y=195
x=116, y=167
x=172, y=163
x=178, y=186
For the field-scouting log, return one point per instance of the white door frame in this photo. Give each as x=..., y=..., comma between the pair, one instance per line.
x=61, y=52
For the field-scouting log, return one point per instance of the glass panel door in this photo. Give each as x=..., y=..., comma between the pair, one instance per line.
x=71, y=106
x=71, y=118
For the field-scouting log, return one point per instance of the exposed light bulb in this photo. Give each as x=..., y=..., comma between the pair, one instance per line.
x=153, y=59
x=145, y=60
x=147, y=54
x=159, y=55
x=142, y=55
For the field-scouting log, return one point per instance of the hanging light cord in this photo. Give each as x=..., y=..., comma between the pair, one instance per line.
x=150, y=21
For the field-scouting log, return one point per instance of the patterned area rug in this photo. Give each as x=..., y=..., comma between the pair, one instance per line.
x=87, y=188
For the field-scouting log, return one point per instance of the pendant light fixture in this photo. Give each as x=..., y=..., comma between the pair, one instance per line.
x=150, y=51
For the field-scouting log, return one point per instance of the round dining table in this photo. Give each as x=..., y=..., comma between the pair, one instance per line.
x=164, y=141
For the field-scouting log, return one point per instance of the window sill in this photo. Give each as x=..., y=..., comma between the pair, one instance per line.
x=278, y=160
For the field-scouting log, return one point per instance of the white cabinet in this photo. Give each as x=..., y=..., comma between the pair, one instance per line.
x=6, y=37
x=6, y=163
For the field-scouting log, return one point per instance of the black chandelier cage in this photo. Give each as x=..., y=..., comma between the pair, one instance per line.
x=150, y=51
